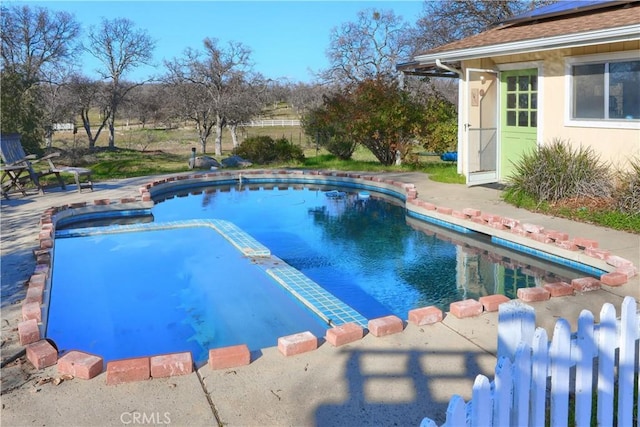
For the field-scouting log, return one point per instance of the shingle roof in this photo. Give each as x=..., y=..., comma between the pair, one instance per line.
x=618, y=16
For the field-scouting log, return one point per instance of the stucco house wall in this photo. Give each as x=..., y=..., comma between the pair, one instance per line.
x=614, y=142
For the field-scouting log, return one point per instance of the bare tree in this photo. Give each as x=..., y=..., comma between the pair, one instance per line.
x=35, y=45
x=368, y=48
x=423, y=88
x=147, y=104
x=277, y=91
x=207, y=82
x=120, y=48
x=89, y=95
x=56, y=105
x=36, y=40
x=446, y=21
x=304, y=97
x=245, y=102
x=193, y=105
x=187, y=99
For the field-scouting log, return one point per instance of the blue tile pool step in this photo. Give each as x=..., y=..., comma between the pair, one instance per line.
x=238, y=238
x=325, y=305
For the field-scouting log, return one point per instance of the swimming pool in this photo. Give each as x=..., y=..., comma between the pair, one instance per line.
x=365, y=251
x=134, y=295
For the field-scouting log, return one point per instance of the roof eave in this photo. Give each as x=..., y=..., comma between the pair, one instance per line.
x=414, y=68
x=611, y=35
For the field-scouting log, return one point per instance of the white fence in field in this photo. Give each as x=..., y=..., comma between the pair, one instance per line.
x=57, y=127
x=267, y=123
x=537, y=379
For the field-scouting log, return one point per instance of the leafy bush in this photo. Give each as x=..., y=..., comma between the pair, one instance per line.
x=285, y=151
x=328, y=125
x=21, y=111
x=554, y=172
x=442, y=126
x=257, y=149
x=264, y=150
x=384, y=118
x=627, y=193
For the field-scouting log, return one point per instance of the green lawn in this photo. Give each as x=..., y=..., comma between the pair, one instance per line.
x=150, y=151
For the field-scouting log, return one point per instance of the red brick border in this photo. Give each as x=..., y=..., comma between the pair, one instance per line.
x=303, y=342
x=344, y=334
x=229, y=357
x=41, y=354
x=81, y=365
x=425, y=315
x=465, y=308
x=386, y=325
x=128, y=370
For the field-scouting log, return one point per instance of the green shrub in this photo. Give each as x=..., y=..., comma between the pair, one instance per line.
x=264, y=150
x=329, y=126
x=257, y=149
x=555, y=171
x=442, y=126
x=285, y=151
x=384, y=118
x=627, y=193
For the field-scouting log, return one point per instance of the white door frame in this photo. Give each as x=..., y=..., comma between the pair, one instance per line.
x=473, y=127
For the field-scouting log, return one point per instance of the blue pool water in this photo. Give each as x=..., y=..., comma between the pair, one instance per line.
x=154, y=292
x=187, y=289
x=364, y=251
x=361, y=251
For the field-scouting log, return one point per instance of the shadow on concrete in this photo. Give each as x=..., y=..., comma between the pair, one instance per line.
x=388, y=387
x=494, y=186
x=13, y=289
x=17, y=201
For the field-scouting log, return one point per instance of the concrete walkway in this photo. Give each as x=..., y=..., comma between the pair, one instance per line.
x=394, y=380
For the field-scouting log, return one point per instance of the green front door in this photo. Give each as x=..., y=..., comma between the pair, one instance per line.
x=519, y=117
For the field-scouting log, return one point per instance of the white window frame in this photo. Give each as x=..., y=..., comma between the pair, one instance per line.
x=571, y=61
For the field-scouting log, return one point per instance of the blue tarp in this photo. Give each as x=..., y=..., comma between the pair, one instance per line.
x=449, y=156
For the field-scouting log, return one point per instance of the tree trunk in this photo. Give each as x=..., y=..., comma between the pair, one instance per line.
x=234, y=135
x=219, y=126
x=203, y=143
x=86, y=124
x=112, y=133
x=49, y=136
x=92, y=141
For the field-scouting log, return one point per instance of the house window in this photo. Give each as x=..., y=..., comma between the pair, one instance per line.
x=606, y=91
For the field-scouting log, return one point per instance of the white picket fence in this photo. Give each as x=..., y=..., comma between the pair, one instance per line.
x=537, y=380
x=267, y=123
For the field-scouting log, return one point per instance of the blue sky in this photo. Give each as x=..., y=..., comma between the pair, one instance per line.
x=287, y=38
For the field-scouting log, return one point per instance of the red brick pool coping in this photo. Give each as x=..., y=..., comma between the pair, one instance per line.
x=42, y=353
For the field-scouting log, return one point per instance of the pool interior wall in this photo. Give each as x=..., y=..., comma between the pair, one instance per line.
x=406, y=193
